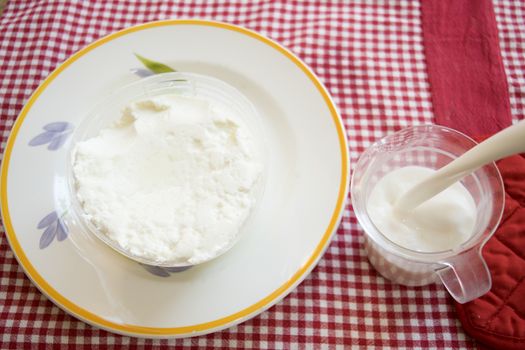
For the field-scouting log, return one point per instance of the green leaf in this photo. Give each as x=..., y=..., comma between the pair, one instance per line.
x=155, y=67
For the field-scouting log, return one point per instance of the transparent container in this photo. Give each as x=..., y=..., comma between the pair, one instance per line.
x=184, y=84
x=462, y=269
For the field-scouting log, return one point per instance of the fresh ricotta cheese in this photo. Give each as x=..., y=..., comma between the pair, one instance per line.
x=173, y=180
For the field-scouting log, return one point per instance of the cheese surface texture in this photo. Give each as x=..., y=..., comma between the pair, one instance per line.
x=173, y=180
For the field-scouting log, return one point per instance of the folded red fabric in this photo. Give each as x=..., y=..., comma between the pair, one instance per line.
x=470, y=93
x=497, y=318
x=467, y=79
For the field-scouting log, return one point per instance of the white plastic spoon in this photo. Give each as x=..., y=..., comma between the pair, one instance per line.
x=505, y=143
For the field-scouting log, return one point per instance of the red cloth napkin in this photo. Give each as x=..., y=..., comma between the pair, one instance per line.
x=467, y=79
x=498, y=317
x=470, y=94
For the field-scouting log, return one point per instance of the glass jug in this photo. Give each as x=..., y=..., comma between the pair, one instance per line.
x=462, y=269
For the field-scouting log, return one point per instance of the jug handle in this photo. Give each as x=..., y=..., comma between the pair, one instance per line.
x=466, y=276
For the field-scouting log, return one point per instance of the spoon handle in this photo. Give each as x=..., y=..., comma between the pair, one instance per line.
x=505, y=143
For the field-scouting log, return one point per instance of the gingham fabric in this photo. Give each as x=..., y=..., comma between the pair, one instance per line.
x=370, y=56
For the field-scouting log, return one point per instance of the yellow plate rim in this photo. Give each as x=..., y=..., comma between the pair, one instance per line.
x=201, y=328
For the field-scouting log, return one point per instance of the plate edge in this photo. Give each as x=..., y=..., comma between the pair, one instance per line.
x=211, y=326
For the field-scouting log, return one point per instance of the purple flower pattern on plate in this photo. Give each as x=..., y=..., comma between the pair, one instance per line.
x=54, y=227
x=55, y=135
x=163, y=271
x=151, y=67
x=142, y=72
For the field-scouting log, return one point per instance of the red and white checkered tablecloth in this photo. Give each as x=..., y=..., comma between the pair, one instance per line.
x=370, y=56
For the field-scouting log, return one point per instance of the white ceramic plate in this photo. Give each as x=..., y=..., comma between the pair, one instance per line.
x=303, y=200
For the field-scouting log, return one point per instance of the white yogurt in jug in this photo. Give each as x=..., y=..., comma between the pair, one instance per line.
x=441, y=223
